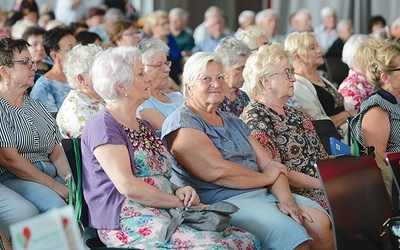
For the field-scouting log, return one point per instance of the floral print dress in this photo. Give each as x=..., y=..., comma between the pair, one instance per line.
x=290, y=139
x=140, y=225
x=236, y=106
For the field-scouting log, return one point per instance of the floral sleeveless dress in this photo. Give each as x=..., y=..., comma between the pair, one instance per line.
x=140, y=225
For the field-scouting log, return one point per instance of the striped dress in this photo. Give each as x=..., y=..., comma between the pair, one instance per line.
x=391, y=105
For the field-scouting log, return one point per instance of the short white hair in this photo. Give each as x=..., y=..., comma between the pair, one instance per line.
x=261, y=14
x=195, y=66
x=327, y=11
x=350, y=48
x=151, y=46
x=245, y=15
x=114, y=66
x=78, y=62
x=230, y=49
x=179, y=11
x=250, y=35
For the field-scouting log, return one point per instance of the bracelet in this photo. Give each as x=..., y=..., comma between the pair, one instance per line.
x=67, y=177
x=176, y=190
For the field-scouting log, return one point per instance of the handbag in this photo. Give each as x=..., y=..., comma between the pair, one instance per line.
x=392, y=227
x=214, y=217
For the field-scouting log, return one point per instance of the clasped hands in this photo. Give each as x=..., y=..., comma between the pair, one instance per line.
x=188, y=196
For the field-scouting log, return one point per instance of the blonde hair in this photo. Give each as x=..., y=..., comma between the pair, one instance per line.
x=377, y=56
x=298, y=43
x=250, y=35
x=265, y=61
x=153, y=18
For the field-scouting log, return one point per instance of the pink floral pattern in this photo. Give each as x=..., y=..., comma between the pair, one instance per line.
x=354, y=90
x=140, y=225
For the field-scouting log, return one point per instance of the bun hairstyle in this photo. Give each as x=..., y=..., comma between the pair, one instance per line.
x=377, y=56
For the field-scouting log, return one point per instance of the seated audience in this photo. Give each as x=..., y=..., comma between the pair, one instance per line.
x=268, y=20
x=285, y=132
x=246, y=18
x=215, y=26
x=32, y=162
x=111, y=16
x=378, y=120
x=234, y=54
x=82, y=102
x=160, y=104
x=376, y=23
x=344, y=31
x=127, y=168
x=300, y=21
x=391, y=32
x=158, y=25
x=125, y=33
x=52, y=88
x=13, y=209
x=178, y=27
x=355, y=88
x=34, y=36
x=316, y=94
x=222, y=161
x=29, y=12
x=77, y=27
x=86, y=37
x=326, y=33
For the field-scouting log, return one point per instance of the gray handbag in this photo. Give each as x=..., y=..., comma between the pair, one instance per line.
x=215, y=217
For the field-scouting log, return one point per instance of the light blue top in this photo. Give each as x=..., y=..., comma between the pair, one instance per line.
x=208, y=45
x=50, y=92
x=165, y=108
x=231, y=140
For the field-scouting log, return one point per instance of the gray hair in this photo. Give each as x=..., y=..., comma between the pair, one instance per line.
x=265, y=61
x=350, y=48
x=244, y=15
x=341, y=24
x=78, y=62
x=195, y=66
x=114, y=66
x=113, y=15
x=230, y=49
x=250, y=35
x=150, y=46
x=261, y=14
x=327, y=11
x=179, y=11
x=210, y=11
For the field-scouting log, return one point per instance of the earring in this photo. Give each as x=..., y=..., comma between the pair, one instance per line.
x=126, y=95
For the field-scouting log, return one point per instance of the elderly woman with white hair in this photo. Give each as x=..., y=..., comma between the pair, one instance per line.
x=160, y=104
x=234, y=54
x=355, y=88
x=254, y=36
x=218, y=157
x=127, y=168
x=82, y=102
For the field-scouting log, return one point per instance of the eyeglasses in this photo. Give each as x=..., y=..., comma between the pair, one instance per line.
x=67, y=49
x=396, y=69
x=264, y=43
x=160, y=65
x=28, y=62
x=288, y=72
x=209, y=79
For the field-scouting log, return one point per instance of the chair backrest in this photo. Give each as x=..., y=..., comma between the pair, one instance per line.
x=357, y=201
x=325, y=129
x=337, y=69
x=69, y=151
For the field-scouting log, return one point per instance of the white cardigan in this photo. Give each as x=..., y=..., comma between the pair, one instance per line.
x=305, y=93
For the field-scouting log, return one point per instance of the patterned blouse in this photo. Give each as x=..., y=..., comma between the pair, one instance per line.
x=76, y=109
x=354, y=90
x=236, y=107
x=290, y=139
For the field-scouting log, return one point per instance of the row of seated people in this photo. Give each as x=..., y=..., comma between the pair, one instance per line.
x=275, y=104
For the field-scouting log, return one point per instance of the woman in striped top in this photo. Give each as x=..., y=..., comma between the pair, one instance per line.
x=32, y=162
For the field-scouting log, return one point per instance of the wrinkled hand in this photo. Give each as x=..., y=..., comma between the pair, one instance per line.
x=273, y=169
x=290, y=208
x=61, y=190
x=188, y=196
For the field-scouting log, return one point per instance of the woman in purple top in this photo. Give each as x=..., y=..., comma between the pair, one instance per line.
x=127, y=168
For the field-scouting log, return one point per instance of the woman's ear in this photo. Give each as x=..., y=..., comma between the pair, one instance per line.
x=53, y=55
x=120, y=89
x=4, y=73
x=81, y=80
x=385, y=78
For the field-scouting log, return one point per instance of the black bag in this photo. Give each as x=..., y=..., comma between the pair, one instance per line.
x=392, y=227
x=214, y=217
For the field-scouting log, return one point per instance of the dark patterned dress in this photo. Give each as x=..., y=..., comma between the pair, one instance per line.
x=290, y=139
x=236, y=107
